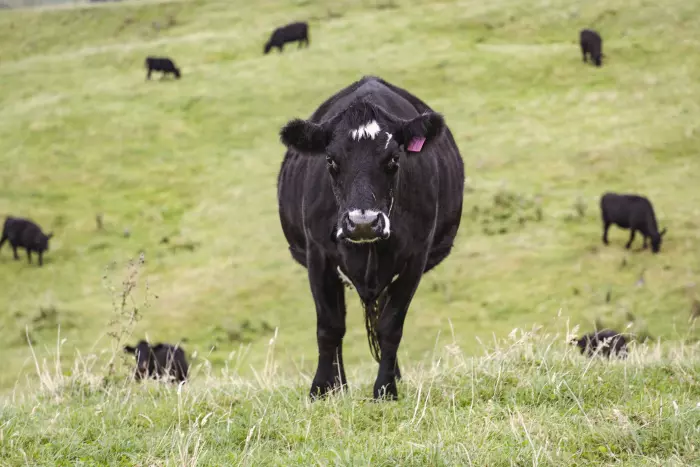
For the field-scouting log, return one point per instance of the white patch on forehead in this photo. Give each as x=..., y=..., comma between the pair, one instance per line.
x=388, y=139
x=368, y=130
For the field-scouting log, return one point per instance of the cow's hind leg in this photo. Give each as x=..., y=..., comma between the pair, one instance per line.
x=629, y=243
x=329, y=296
x=3, y=240
x=390, y=330
x=14, y=252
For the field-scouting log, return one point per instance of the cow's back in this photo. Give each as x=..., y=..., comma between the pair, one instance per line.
x=19, y=229
x=627, y=210
x=588, y=36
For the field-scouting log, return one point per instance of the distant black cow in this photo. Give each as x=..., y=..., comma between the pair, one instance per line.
x=163, y=64
x=158, y=361
x=24, y=233
x=370, y=190
x=591, y=44
x=607, y=343
x=631, y=212
x=290, y=33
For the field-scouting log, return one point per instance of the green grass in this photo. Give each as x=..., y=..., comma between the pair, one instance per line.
x=526, y=401
x=195, y=160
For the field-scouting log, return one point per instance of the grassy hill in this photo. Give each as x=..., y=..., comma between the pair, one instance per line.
x=184, y=172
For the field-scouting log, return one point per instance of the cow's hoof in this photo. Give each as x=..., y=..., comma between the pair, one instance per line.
x=320, y=389
x=386, y=391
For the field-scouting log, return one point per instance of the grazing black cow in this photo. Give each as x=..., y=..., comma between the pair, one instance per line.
x=631, y=212
x=158, y=361
x=591, y=44
x=163, y=64
x=290, y=33
x=370, y=190
x=607, y=343
x=24, y=233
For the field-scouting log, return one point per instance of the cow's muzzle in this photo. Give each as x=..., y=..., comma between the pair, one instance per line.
x=364, y=226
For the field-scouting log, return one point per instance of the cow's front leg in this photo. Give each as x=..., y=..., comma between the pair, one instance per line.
x=329, y=296
x=390, y=330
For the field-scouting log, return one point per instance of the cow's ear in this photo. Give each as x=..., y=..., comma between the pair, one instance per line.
x=663, y=232
x=305, y=137
x=416, y=134
x=49, y=235
x=129, y=349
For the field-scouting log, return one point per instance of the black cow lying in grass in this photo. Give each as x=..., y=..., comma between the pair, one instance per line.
x=290, y=33
x=607, y=343
x=163, y=64
x=23, y=233
x=158, y=361
x=631, y=212
x=591, y=45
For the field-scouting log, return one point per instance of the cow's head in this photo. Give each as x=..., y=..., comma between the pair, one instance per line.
x=268, y=46
x=656, y=241
x=364, y=146
x=41, y=242
x=142, y=352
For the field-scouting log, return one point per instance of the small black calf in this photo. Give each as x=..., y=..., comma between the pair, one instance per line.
x=158, y=361
x=591, y=44
x=290, y=33
x=607, y=343
x=23, y=233
x=163, y=64
x=631, y=212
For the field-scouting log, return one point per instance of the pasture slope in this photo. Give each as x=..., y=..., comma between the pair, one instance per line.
x=184, y=175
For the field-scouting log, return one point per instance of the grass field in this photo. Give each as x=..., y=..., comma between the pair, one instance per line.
x=526, y=401
x=195, y=161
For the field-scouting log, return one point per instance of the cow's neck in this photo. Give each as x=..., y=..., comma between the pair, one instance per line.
x=369, y=267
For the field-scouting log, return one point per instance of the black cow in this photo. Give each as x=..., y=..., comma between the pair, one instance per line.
x=607, y=343
x=370, y=190
x=591, y=44
x=158, y=361
x=631, y=212
x=290, y=33
x=24, y=233
x=163, y=64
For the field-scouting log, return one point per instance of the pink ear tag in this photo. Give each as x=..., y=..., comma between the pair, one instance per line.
x=416, y=144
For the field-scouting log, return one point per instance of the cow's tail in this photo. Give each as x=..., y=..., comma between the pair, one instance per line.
x=372, y=312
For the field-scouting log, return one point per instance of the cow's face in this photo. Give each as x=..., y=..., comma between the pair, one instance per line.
x=656, y=241
x=42, y=241
x=142, y=353
x=363, y=152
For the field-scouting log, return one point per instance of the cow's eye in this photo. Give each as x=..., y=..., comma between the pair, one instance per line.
x=392, y=164
x=332, y=165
